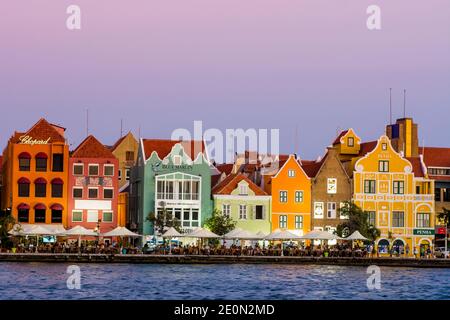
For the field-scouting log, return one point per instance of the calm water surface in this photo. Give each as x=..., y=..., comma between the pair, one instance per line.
x=130, y=281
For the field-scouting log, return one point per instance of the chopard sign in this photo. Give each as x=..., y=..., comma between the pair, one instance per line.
x=32, y=141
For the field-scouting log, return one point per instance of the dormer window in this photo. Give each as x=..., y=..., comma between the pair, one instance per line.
x=383, y=166
x=350, y=141
x=291, y=173
x=243, y=190
x=384, y=146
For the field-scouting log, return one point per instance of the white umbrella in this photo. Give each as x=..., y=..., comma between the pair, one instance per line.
x=79, y=231
x=202, y=233
x=282, y=235
x=241, y=234
x=171, y=233
x=320, y=235
x=232, y=233
x=261, y=235
x=120, y=232
x=38, y=230
x=356, y=236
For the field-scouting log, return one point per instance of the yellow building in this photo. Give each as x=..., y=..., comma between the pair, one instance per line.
x=399, y=197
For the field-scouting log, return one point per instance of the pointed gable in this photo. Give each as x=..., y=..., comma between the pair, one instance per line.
x=231, y=183
x=348, y=142
x=92, y=148
x=43, y=131
x=164, y=147
x=122, y=140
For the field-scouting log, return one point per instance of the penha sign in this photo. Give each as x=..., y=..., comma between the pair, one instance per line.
x=31, y=141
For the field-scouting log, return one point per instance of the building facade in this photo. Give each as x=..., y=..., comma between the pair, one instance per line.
x=93, y=186
x=174, y=176
x=126, y=151
x=35, y=175
x=291, y=198
x=246, y=203
x=398, y=197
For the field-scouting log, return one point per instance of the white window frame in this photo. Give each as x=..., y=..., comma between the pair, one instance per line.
x=331, y=182
x=108, y=166
x=112, y=189
x=284, y=221
x=243, y=190
x=226, y=209
x=78, y=165
x=77, y=211
x=88, y=216
x=316, y=205
x=283, y=192
x=352, y=140
x=243, y=213
x=92, y=188
x=331, y=211
x=301, y=197
x=78, y=188
x=383, y=166
x=89, y=170
x=127, y=174
x=342, y=205
x=301, y=222
x=112, y=216
x=291, y=173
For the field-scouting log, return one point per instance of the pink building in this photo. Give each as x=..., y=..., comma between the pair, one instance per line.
x=93, y=186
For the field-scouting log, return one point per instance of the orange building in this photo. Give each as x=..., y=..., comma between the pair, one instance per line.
x=291, y=198
x=35, y=175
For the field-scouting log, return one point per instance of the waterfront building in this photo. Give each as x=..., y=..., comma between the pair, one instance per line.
x=35, y=175
x=171, y=175
x=246, y=203
x=1, y=180
x=330, y=188
x=93, y=186
x=398, y=195
x=290, y=188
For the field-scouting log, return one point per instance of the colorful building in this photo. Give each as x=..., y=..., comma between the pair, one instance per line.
x=398, y=195
x=35, y=175
x=93, y=186
x=174, y=176
x=290, y=188
x=246, y=203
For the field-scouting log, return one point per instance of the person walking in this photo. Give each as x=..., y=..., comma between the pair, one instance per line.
x=407, y=250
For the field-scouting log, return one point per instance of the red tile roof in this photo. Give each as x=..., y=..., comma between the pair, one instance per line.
x=367, y=147
x=42, y=130
x=338, y=138
x=225, y=168
x=230, y=183
x=436, y=157
x=416, y=166
x=1, y=164
x=311, y=168
x=92, y=148
x=164, y=147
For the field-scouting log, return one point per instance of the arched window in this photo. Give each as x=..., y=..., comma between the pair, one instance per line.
x=39, y=213
x=57, y=188
x=399, y=246
x=57, y=210
x=40, y=188
x=24, y=187
x=41, y=162
x=24, y=161
x=383, y=246
x=23, y=213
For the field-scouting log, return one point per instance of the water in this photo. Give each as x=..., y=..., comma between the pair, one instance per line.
x=184, y=282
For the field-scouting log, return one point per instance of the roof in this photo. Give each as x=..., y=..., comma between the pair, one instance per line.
x=311, y=168
x=225, y=168
x=436, y=157
x=338, y=138
x=416, y=166
x=92, y=148
x=1, y=163
x=42, y=130
x=230, y=183
x=163, y=147
x=367, y=147
x=118, y=142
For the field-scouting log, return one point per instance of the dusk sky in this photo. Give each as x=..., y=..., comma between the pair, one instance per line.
x=161, y=64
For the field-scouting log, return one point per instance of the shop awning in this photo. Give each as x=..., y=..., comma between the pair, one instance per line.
x=40, y=206
x=24, y=181
x=41, y=155
x=57, y=181
x=40, y=181
x=57, y=206
x=23, y=206
x=24, y=155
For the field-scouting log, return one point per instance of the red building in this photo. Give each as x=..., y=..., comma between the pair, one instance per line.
x=93, y=186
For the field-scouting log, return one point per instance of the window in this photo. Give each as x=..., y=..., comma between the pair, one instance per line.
x=283, y=221
x=107, y=216
x=129, y=156
x=24, y=189
x=77, y=193
x=108, y=170
x=127, y=174
x=398, y=219
x=23, y=215
x=342, y=206
x=41, y=164
x=291, y=173
x=242, y=212
x=371, y=218
x=58, y=162
x=93, y=193
x=350, y=141
x=40, y=189
x=331, y=210
x=39, y=215
x=177, y=160
x=384, y=146
x=437, y=194
x=446, y=197
x=56, y=216
x=399, y=187
x=243, y=190
x=57, y=190
x=298, y=222
x=120, y=174
x=226, y=210
x=195, y=217
x=369, y=186
x=78, y=169
x=439, y=171
x=332, y=185
x=92, y=216
x=77, y=216
x=383, y=166
x=24, y=164
x=318, y=210
x=93, y=169
x=298, y=196
x=259, y=212
x=423, y=220
x=177, y=214
x=283, y=196
x=108, y=193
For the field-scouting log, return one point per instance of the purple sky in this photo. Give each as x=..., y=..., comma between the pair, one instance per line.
x=231, y=63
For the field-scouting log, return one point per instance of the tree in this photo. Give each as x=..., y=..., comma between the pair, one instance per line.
x=219, y=223
x=163, y=220
x=357, y=220
x=444, y=216
x=7, y=222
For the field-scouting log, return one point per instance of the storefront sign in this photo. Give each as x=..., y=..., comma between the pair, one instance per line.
x=423, y=232
x=31, y=141
x=440, y=230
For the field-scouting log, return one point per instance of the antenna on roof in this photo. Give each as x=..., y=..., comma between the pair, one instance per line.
x=390, y=105
x=87, y=122
x=404, y=103
x=121, y=128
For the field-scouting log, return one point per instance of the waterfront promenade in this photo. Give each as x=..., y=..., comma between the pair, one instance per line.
x=205, y=259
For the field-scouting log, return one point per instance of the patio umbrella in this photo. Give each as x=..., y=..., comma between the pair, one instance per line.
x=120, y=232
x=171, y=233
x=38, y=230
x=232, y=233
x=320, y=235
x=355, y=236
x=282, y=235
x=79, y=231
x=201, y=234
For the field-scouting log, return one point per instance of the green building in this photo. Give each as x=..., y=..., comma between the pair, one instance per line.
x=171, y=175
x=245, y=202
